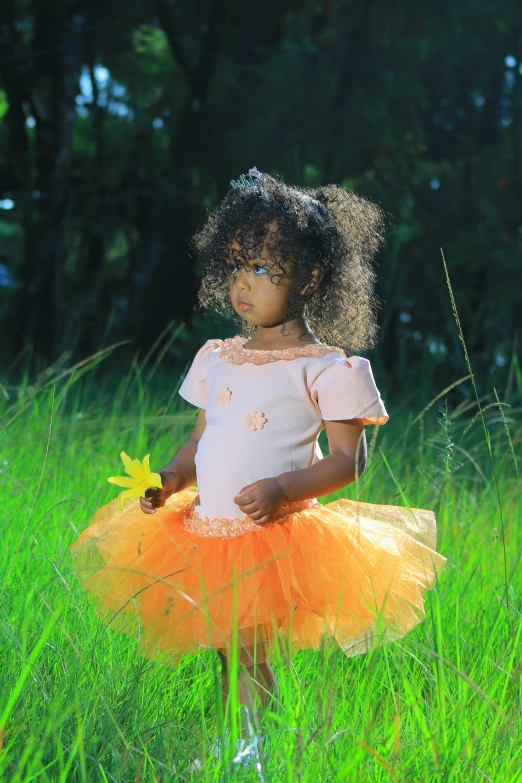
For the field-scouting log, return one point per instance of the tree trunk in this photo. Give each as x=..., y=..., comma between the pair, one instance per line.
x=40, y=300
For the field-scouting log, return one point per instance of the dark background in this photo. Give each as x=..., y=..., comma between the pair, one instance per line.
x=123, y=121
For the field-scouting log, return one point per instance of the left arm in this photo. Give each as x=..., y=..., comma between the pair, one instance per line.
x=347, y=444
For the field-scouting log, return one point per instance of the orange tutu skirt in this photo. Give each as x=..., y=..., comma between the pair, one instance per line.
x=349, y=571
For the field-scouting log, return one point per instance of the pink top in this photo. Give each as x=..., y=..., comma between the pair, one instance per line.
x=265, y=410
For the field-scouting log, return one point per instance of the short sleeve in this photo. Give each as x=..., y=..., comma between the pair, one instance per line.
x=346, y=390
x=194, y=386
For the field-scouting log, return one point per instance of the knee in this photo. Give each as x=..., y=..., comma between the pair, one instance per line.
x=258, y=673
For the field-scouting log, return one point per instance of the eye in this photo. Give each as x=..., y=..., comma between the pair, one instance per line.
x=233, y=269
x=262, y=268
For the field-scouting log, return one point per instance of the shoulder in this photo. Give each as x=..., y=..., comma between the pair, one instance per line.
x=208, y=347
x=193, y=388
x=337, y=363
x=334, y=374
x=345, y=389
x=213, y=344
x=204, y=353
x=338, y=358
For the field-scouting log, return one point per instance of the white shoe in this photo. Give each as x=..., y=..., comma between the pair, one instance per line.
x=244, y=750
x=218, y=747
x=195, y=765
x=242, y=753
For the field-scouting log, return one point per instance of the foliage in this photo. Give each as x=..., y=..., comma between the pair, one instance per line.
x=77, y=704
x=121, y=124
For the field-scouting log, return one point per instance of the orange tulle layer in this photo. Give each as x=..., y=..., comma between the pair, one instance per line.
x=355, y=572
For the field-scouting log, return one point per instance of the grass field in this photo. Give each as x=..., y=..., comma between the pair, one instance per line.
x=77, y=703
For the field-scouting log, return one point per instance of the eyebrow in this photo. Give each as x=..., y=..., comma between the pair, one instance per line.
x=253, y=262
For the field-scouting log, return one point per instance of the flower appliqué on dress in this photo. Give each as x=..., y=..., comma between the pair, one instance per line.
x=255, y=420
x=223, y=396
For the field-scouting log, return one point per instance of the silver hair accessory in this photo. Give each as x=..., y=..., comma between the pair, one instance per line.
x=246, y=181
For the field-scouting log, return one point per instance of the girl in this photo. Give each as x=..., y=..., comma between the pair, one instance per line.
x=251, y=558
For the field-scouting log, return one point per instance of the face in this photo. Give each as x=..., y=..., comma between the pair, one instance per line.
x=258, y=291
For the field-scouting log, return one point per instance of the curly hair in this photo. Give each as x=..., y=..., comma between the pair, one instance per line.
x=329, y=227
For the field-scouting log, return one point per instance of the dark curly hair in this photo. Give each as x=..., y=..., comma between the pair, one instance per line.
x=330, y=227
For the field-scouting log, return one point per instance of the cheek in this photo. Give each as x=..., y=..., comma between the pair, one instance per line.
x=285, y=287
x=274, y=295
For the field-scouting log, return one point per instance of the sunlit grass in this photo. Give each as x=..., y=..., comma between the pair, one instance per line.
x=78, y=704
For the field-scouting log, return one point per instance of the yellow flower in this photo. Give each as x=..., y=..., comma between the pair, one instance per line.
x=140, y=479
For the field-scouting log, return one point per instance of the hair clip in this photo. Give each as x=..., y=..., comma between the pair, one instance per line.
x=246, y=181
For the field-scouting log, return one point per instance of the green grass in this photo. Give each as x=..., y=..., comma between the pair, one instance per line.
x=78, y=704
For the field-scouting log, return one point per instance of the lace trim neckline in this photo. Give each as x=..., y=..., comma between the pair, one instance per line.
x=233, y=351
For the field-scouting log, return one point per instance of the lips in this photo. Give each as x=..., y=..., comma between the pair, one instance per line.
x=242, y=302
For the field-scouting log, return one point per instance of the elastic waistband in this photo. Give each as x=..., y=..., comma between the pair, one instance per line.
x=223, y=527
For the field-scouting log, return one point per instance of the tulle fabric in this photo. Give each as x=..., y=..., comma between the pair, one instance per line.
x=353, y=572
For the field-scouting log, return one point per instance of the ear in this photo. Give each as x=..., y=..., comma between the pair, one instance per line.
x=311, y=287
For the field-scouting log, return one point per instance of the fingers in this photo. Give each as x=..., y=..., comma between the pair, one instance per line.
x=146, y=506
x=254, y=512
x=155, y=498
x=245, y=495
x=152, y=500
x=245, y=500
x=248, y=502
x=261, y=520
x=249, y=508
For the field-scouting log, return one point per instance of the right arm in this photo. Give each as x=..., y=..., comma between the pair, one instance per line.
x=179, y=473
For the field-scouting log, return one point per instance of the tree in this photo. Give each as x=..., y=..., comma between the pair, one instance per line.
x=125, y=123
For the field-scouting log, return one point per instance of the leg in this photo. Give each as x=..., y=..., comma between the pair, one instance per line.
x=247, y=686
x=260, y=684
x=256, y=688
x=224, y=679
x=268, y=681
x=264, y=681
x=254, y=682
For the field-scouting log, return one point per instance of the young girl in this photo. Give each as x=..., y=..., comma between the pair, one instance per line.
x=250, y=557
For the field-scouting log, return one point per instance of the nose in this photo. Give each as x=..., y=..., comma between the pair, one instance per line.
x=242, y=279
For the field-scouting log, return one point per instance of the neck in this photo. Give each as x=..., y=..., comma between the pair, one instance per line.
x=291, y=331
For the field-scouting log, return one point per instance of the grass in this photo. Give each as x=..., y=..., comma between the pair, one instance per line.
x=77, y=703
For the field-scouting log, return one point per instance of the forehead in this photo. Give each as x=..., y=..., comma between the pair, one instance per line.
x=265, y=235
x=262, y=230
x=262, y=243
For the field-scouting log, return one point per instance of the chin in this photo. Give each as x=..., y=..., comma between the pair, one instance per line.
x=245, y=316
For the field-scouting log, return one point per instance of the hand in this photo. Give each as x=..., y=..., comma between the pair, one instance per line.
x=261, y=499
x=154, y=498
